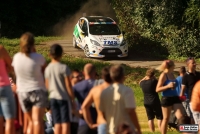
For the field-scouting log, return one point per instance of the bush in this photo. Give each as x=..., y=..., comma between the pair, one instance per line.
x=172, y=24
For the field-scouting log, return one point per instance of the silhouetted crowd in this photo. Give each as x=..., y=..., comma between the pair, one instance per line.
x=41, y=98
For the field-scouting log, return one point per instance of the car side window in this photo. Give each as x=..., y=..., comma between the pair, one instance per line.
x=81, y=22
x=85, y=27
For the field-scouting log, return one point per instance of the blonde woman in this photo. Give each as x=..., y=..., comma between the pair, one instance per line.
x=32, y=94
x=167, y=85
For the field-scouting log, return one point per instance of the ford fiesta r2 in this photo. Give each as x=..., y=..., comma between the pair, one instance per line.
x=99, y=37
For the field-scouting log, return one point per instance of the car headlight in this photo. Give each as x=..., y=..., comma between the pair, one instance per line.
x=94, y=42
x=123, y=43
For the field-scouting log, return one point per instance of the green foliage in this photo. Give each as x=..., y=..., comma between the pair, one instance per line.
x=161, y=27
x=192, y=13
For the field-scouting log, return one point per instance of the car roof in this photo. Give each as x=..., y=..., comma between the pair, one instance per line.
x=99, y=19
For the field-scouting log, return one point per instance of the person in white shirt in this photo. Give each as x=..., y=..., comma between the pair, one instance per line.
x=117, y=102
x=33, y=96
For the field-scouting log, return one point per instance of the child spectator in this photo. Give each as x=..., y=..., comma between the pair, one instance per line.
x=49, y=123
x=58, y=83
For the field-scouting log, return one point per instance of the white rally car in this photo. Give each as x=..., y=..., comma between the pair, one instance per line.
x=99, y=37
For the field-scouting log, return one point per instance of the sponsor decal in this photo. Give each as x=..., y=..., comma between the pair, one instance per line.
x=110, y=42
x=188, y=128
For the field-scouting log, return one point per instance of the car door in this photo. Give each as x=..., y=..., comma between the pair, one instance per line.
x=84, y=34
x=78, y=31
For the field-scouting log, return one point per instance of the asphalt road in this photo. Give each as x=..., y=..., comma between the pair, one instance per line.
x=133, y=61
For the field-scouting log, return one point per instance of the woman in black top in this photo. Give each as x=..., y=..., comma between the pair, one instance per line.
x=151, y=99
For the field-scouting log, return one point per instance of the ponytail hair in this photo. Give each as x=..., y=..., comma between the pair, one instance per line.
x=26, y=43
x=167, y=64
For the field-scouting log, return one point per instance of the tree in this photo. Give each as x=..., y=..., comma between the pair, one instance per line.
x=172, y=24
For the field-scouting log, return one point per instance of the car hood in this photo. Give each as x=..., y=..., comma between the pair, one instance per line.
x=108, y=40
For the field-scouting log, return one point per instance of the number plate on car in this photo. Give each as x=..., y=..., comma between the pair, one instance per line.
x=111, y=51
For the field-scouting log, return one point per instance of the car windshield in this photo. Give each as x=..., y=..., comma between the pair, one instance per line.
x=104, y=29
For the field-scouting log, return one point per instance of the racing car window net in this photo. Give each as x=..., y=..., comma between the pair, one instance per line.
x=104, y=29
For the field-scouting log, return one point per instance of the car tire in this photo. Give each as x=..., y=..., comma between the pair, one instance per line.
x=86, y=51
x=74, y=42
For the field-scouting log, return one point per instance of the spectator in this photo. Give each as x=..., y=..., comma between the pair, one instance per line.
x=117, y=103
x=182, y=72
x=31, y=90
x=81, y=91
x=49, y=129
x=195, y=98
x=151, y=99
x=75, y=119
x=184, y=98
x=188, y=82
x=94, y=97
x=20, y=121
x=7, y=101
x=195, y=101
x=60, y=89
x=75, y=77
x=167, y=84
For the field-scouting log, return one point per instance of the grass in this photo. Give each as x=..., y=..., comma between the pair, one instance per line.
x=141, y=113
x=133, y=75
x=12, y=45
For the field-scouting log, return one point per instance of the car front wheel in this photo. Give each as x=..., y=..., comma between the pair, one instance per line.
x=86, y=51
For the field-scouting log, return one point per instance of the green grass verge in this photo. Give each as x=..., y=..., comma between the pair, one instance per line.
x=12, y=45
x=133, y=75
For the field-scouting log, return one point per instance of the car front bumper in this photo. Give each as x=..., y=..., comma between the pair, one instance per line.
x=109, y=52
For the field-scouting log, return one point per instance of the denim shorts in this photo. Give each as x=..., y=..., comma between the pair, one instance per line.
x=38, y=98
x=7, y=103
x=102, y=129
